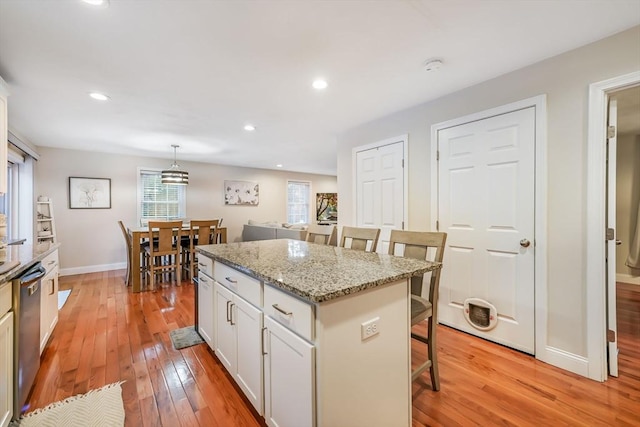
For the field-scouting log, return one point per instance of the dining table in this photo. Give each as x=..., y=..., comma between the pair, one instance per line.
x=139, y=234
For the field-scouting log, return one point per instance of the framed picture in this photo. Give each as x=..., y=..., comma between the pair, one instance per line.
x=241, y=193
x=327, y=208
x=89, y=193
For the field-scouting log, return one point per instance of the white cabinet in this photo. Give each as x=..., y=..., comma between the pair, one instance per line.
x=288, y=378
x=6, y=368
x=49, y=298
x=238, y=342
x=206, y=304
x=4, y=135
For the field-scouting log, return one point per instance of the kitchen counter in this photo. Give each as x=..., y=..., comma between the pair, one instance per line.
x=26, y=255
x=316, y=273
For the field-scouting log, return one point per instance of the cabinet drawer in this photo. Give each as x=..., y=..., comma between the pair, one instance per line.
x=205, y=265
x=290, y=311
x=50, y=261
x=245, y=286
x=6, y=296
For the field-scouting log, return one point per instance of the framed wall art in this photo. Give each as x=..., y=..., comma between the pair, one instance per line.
x=89, y=193
x=241, y=193
x=327, y=208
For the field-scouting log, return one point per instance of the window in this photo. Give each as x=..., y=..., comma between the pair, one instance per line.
x=298, y=202
x=158, y=200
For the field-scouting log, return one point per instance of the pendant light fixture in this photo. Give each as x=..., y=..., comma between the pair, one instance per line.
x=173, y=175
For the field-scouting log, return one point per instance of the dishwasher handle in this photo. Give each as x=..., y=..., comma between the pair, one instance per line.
x=33, y=274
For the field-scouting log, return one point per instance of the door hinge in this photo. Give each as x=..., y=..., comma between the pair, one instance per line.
x=402, y=162
x=437, y=225
x=402, y=225
x=438, y=155
x=611, y=131
x=611, y=234
x=611, y=336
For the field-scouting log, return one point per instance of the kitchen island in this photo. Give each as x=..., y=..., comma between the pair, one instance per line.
x=313, y=335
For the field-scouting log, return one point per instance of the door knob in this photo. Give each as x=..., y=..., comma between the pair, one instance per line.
x=618, y=242
x=525, y=243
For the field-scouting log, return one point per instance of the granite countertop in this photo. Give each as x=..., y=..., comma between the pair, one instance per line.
x=26, y=255
x=317, y=273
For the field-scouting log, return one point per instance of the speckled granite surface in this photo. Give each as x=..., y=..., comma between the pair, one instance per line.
x=26, y=255
x=314, y=272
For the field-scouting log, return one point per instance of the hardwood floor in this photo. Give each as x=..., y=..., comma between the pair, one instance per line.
x=106, y=334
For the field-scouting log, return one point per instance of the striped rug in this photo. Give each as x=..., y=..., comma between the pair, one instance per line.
x=102, y=407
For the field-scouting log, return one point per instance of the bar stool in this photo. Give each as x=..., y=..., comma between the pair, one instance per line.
x=359, y=238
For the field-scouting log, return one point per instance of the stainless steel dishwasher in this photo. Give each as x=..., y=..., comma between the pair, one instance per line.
x=26, y=308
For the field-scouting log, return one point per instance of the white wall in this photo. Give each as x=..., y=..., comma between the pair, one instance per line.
x=91, y=239
x=565, y=79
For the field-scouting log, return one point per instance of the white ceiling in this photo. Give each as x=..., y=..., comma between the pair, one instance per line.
x=194, y=73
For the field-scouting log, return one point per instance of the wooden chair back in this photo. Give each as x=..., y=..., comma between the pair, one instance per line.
x=203, y=232
x=416, y=245
x=322, y=234
x=360, y=237
x=169, y=232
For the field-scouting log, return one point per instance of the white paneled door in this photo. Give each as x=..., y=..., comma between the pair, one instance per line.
x=486, y=202
x=380, y=190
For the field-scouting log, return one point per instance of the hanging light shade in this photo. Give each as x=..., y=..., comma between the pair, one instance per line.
x=173, y=175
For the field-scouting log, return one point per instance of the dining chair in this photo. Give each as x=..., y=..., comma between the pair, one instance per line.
x=201, y=232
x=128, y=243
x=322, y=234
x=425, y=246
x=359, y=238
x=163, y=252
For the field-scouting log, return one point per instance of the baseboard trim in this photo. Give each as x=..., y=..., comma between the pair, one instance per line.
x=92, y=269
x=565, y=360
x=627, y=278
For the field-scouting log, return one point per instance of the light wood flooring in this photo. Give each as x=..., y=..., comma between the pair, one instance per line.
x=107, y=334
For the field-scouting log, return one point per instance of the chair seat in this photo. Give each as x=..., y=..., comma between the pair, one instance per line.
x=421, y=309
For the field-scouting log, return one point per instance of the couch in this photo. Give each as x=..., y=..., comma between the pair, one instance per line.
x=267, y=231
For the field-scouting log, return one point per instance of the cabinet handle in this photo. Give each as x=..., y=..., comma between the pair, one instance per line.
x=231, y=280
x=203, y=280
x=263, y=340
x=228, y=319
x=53, y=286
x=51, y=262
x=231, y=314
x=285, y=312
x=201, y=264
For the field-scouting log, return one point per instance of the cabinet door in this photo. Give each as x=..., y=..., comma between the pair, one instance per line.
x=206, y=318
x=225, y=344
x=48, y=312
x=6, y=369
x=248, y=324
x=288, y=378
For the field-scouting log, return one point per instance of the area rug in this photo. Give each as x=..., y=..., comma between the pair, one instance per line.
x=102, y=407
x=62, y=297
x=185, y=337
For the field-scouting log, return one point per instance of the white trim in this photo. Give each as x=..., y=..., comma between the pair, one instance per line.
x=568, y=361
x=92, y=269
x=404, y=139
x=542, y=351
x=628, y=279
x=595, y=210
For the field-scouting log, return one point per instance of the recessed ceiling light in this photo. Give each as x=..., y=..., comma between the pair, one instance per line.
x=249, y=127
x=278, y=165
x=104, y=3
x=319, y=84
x=433, y=64
x=99, y=96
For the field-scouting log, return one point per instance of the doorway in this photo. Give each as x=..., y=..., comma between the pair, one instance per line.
x=601, y=300
x=626, y=202
x=489, y=195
